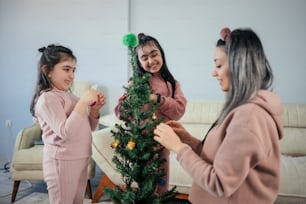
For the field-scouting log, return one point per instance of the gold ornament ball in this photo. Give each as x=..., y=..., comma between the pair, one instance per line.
x=154, y=117
x=131, y=145
x=115, y=144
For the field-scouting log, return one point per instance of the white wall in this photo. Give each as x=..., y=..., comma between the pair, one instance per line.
x=92, y=29
x=187, y=30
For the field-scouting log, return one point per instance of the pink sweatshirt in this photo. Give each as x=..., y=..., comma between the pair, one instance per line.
x=240, y=159
x=172, y=108
x=66, y=134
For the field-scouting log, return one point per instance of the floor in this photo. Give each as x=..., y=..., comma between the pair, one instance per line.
x=40, y=186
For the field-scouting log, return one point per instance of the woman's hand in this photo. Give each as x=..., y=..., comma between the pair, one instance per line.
x=179, y=130
x=165, y=135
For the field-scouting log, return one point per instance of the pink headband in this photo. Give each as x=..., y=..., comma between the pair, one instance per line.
x=225, y=34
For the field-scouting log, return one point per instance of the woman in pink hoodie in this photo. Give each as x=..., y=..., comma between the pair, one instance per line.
x=66, y=121
x=166, y=91
x=239, y=159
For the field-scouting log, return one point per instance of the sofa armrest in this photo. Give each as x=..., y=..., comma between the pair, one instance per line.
x=109, y=120
x=27, y=136
x=102, y=154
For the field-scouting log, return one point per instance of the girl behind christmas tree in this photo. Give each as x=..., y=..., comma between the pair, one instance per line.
x=166, y=91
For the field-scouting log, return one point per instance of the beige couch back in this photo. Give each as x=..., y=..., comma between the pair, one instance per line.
x=200, y=115
x=294, y=141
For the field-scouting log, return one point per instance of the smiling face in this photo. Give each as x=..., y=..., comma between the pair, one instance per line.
x=62, y=75
x=150, y=58
x=221, y=69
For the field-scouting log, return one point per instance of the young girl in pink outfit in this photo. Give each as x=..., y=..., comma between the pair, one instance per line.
x=66, y=122
x=165, y=89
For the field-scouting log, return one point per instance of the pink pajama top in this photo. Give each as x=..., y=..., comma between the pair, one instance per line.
x=173, y=108
x=66, y=134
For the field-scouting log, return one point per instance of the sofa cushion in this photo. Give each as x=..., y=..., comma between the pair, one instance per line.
x=197, y=130
x=28, y=159
x=178, y=176
x=294, y=141
x=109, y=120
x=293, y=177
x=103, y=154
x=198, y=112
x=294, y=115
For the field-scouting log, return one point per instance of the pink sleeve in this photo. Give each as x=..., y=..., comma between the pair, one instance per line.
x=50, y=109
x=174, y=108
x=93, y=122
x=117, y=107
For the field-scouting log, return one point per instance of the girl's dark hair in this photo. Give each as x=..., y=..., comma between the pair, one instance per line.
x=144, y=40
x=249, y=68
x=50, y=56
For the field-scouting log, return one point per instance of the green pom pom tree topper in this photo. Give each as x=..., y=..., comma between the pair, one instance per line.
x=130, y=40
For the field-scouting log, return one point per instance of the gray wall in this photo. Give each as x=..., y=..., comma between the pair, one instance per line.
x=187, y=30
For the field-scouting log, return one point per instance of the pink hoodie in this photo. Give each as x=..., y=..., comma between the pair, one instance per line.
x=240, y=159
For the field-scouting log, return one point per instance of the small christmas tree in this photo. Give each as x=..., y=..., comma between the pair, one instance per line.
x=137, y=154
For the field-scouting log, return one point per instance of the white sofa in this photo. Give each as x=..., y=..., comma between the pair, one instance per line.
x=198, y=118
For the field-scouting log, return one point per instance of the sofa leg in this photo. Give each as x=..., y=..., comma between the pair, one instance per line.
x=182, y=196
x=104, y=182
x=88, y=189
x=15, y=189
